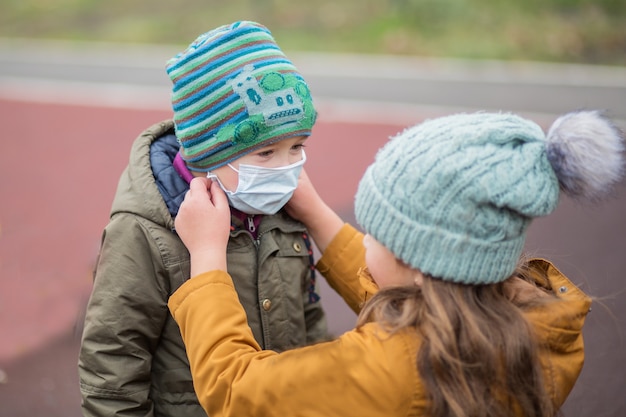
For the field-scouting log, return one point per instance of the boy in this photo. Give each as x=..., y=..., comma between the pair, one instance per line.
x=241, y=115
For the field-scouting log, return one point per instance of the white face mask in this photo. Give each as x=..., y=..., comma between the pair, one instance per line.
x=263, y=190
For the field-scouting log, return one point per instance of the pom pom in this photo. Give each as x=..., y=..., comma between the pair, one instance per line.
x=585, y=151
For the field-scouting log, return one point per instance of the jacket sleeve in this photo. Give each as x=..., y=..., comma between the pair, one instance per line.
x=559, y=324
x=233, y=377
x=123, y=322
x=340, y=264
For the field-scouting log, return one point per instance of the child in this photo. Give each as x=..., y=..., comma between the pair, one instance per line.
x=242, y=113
x=451, y=322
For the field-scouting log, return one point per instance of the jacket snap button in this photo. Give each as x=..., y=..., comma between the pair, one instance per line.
x=563, y=289
x=297, y=247
x=267, y=304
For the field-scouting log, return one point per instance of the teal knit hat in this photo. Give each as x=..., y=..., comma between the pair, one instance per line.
x=453, y=196
x=235, y=91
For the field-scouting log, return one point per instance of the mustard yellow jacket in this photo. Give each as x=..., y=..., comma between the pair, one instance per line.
x=362, y=373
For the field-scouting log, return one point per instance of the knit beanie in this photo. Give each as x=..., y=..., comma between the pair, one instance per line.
x=235, y=91
x=453, y=197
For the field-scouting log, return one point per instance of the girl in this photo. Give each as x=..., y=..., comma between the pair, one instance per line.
x=451, y=322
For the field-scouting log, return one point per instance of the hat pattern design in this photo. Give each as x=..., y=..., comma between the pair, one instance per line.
x=269, y=102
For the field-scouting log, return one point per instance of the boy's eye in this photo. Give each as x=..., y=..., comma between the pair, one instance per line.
x=297, y=147
x=265, y=153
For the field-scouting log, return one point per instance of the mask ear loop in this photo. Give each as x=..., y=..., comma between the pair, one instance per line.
x=214, y=177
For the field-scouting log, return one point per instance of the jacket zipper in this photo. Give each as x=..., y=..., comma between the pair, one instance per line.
x=252, y=229
x=251, y=226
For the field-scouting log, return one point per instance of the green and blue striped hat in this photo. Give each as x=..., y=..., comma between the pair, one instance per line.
x=235, y=91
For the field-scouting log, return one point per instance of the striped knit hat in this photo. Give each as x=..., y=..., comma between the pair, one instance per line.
x=453, y=196
x=235, y=91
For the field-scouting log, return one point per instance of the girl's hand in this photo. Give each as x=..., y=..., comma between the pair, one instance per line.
x=203, y=224
x=305, y=202
x=308, y=207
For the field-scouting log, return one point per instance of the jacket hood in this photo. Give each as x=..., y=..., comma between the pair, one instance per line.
x=138, y=191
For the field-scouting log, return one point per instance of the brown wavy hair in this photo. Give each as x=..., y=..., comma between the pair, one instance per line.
x=479, y=355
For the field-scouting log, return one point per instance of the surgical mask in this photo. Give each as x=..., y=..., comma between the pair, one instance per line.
x=263, y=190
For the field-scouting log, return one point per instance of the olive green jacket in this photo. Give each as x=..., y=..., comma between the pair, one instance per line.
x=132, y=359
x=366, y=371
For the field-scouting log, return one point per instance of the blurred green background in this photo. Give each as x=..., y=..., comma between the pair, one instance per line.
x=578, y=31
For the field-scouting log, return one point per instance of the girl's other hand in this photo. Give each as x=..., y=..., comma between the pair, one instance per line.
x=308, y=207
x=203, y=224
x=305, y=202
